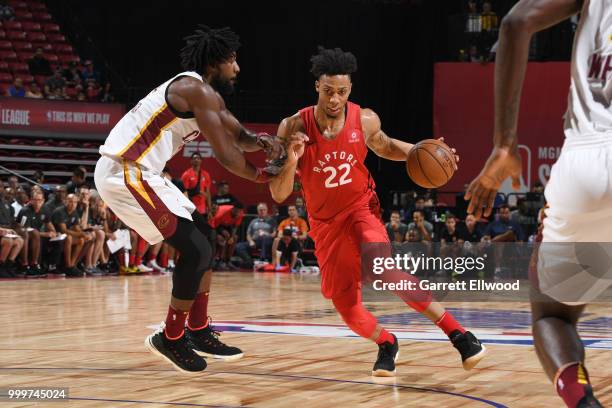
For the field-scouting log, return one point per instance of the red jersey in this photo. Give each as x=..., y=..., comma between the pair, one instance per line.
x=333, y=173
x=224, y=217
x=190, y=181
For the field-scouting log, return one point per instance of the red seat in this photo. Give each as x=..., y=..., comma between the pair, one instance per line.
x=42, y=16
x=19, y=67
x=16, y=35
x=51, y=28
x=4, y=67
x=3, y=91
x=56, y=38
x=31, y=26
x=37, y=7
x=6, y=45
x=67, y=59
x=40, y=80
x=51, y=57
x=17, y=4
x=22, y=46
x=27, y=78
x=64, y=48
x=2, y=34
x=8, y=56
x=23, y=15
x=71, y=92
x=24, y=56
x=11, y=25
x=6, y=77
x=47, y=47
x=35, y=36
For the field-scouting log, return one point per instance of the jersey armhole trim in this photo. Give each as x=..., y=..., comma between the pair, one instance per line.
x=181, y=115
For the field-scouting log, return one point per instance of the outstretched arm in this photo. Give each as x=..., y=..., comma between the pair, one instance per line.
x=526, y=18
x=381, y=144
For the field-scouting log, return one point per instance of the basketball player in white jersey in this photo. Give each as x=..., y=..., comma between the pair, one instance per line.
x=128, y=177
x=579, y=193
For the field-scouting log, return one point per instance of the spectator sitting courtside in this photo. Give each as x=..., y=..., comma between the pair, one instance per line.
x=223, y=195
x=423, y=227
x=226, y=220
x=197, y=183
x=396, y=229
x=260, y=234
x=287, y=251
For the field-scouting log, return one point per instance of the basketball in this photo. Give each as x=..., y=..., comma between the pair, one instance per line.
x=430, y=163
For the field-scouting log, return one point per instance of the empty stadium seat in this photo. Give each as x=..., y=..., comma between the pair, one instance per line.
x=64, y=48
x=2, y=34
x=56, y=38
x=51, y=28
x=6, y=77
x=11, y=25
x=31, y=26
x=23, y=15
x=34, y=6
x=16, y=35
x=27, y=78
x=42, y=16
x=20, y=67
x=18, y=5
x=24, y=56
x=6, y=45
x=66, y=59
x=71, y=92
x=47, y=47
x=8, y=56
x=4, y=67
x=35, y=36
x=22, y=46
x=51, y=58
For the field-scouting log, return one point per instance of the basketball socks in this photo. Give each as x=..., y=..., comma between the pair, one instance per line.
x=175, y=324
x=198, y=315
x=385, y=337
x=448, y=324
x=570, y=383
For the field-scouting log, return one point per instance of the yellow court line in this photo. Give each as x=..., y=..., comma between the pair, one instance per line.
x=122, y=152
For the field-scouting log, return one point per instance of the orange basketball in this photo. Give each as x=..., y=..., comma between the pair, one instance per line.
x=430, y=163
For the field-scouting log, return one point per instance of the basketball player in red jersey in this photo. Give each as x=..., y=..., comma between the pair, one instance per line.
x=579, y=191
x=343, y=206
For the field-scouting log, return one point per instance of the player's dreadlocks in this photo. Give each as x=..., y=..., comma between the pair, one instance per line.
x=333, y=62
x=208, y=47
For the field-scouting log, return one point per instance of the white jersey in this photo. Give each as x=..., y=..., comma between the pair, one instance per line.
x=589, y=110
x=152, y=132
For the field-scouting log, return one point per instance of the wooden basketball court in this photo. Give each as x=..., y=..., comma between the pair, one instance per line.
x=87, y=334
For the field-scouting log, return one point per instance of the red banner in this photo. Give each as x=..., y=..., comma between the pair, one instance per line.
x=463, y=115
x=246, y=191
x=34, y=115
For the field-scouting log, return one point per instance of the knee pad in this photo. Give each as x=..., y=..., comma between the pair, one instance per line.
x=196, y=255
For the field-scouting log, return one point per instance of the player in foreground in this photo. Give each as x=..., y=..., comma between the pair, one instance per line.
x=343, y=206
x=579, y=192
x=128, y=177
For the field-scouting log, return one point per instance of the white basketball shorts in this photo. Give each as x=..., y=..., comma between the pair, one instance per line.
x=141, y=198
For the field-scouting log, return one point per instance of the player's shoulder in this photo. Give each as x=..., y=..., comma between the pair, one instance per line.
x=194, y=91
x=370, y=121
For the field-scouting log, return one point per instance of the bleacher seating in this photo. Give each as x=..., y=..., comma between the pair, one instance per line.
x=33, y=27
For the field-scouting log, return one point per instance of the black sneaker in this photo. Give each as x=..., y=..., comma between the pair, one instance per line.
x=589, y=400
x=178, y=352
x=387, y=356
x=206, y=343
x=18, y=271
x=54, y=272
x=35, y=271
x=4, y=272
x=73, y=272
x=470, y=348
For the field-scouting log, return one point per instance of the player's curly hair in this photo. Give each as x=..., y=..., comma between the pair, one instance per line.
x=332, y=62
x=208, y=47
